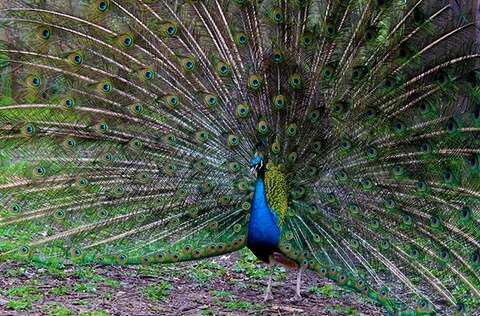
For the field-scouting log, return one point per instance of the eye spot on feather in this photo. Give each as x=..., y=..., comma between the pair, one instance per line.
x=108, y=157
x=149, y=75
x=46, y=34
x=295, y=81
x=29, y=129
x=211, y=101
x=330, y=30
x=444, y=254
x=426, y=148
x=127, y=41
x=15, y=208
x=106, y=87
x=233, y=140
x=40, y=171
x=476, y=257
x=243, y=110
x=465, y=212
x=255, y=83
x=223, y=70
x=24, y=250
x=103, y=6
x=370, y=114
x=35, y=81
x=421, y=186
x=169, y=29
x=60, y=214
x=277, y=57
x=77, y=59
x=68, y=103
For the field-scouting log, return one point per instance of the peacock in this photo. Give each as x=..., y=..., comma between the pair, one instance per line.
x=338, y=136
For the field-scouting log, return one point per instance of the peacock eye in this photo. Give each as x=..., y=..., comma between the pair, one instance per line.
x=40, y=171
x=425, y=147
x=127, y=41
x=421, y=185
x=69, y=103
x=46, y=34
x=476, y=113
x=423, y=108
x=78, y=59
x=36, y=81
x=444, y=254
x=465, y=212
x=149, y=75
x=370, y=114
x=171, y=30
x=106, y=87
x=103, y=6
x=16, y=208
x=278, y=17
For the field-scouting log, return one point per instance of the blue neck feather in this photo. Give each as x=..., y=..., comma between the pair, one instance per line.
x=263, y=231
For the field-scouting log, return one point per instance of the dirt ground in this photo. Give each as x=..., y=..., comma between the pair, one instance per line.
x=228, y=285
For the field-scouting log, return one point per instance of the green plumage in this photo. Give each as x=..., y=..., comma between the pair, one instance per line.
x=127, y=129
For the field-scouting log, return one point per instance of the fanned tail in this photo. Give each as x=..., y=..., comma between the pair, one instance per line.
x=129, y=133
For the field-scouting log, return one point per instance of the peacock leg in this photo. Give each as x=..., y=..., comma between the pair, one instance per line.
x=298, y=296
x=268, y=293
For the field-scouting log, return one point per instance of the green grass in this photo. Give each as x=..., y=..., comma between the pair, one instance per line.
x=255, y=269
x=205, y=271
x=238, y=305
x=114, y=284
x=84, y=288
x=158, y=292
x=19, y=305
x=94, y=313
x=343, y=310
x=56, y=309
x=327, y=290
x=229, y=301
x=21, y=298
x=60, y=291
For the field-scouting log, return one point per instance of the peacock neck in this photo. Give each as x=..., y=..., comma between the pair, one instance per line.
x=263, y=230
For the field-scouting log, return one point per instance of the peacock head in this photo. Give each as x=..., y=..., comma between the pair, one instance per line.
x=258, y=162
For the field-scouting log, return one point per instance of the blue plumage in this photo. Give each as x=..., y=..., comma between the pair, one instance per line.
x=263, y=230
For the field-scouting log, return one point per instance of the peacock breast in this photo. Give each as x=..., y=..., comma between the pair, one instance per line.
x=268, y=210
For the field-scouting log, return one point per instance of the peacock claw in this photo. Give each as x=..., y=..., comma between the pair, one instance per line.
x=268, y=297
x=296, y=299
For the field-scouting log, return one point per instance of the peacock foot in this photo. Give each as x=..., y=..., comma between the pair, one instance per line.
x=268, y=297
x=296, y=299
